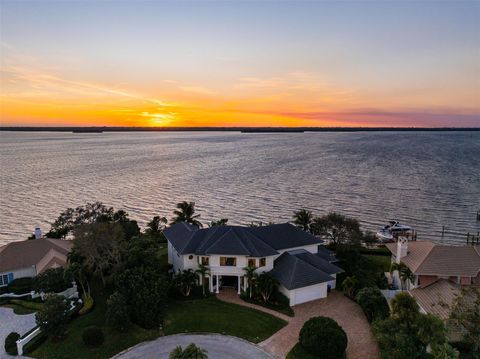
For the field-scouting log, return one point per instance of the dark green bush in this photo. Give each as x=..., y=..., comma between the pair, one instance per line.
x=93, y=336
x=373, y=303
x=323, y=337
x=11, y=343
x=53, y=280
x=20, y=286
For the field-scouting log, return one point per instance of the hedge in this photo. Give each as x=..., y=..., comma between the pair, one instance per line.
x=11, y=343
x=324, y=338
x=20, y=286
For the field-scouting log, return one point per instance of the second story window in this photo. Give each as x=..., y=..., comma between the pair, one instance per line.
x=228, y=261
x=252, y=262
x=205, y=261
x=262, y=262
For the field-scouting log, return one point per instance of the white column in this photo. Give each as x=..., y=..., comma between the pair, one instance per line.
x=218, y=290
x=239, y=284
x=210, y=283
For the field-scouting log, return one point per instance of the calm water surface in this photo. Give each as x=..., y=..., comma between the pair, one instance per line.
x=427, y=180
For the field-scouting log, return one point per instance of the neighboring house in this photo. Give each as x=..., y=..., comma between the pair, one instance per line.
x=303, y=268
x=430, y=262
x=32, y=257
x=439, y=273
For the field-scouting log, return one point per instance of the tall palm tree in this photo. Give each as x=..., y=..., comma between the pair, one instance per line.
x=203, y=271
x=405, y=274
x=303, y=219
x=267, y=284
x=251, y=274
x=185, y=212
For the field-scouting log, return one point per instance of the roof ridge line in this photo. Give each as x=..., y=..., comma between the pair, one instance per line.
x=426, y=256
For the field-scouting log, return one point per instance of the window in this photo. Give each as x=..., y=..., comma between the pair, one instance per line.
x=190, y=257
x=205, y=261
x=263, y=262
x=252, y=262
x=228, y=261
x=4, y=279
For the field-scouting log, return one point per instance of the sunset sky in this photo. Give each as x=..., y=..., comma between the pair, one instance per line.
x=222, y=63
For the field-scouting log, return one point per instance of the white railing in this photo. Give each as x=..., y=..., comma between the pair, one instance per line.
x=68, y=293
x=23, y=341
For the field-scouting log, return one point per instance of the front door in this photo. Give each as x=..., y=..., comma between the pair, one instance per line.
x=229, y=281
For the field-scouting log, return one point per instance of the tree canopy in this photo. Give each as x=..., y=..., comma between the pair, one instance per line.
x=185, y=212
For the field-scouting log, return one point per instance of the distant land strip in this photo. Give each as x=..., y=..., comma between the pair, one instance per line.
x=100, y=129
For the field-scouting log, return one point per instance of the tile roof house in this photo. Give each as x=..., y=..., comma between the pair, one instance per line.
x=430, y=262
x=305, y=272
x=30, y=258
x=439, y=272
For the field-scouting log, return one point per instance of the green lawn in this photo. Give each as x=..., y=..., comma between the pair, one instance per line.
x=215, y=316
x=200, y=315
x=382, y=262
x=73, y=347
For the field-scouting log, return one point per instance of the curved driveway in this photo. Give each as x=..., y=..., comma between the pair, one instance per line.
x=218, y=347
x=11, y=322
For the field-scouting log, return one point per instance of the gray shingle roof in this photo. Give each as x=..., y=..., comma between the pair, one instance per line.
x=316, y=261
x=235, y=240
x=292, y=272
x=326, y=254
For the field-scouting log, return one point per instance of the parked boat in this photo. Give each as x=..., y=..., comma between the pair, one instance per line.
x=388, y=233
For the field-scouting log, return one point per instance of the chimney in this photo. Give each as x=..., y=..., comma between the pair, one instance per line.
x=402, y=248
x=38, y=233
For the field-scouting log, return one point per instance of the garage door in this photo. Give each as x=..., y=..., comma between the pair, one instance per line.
x=307, y=294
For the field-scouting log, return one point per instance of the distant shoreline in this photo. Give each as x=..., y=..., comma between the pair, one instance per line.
x=100, y=129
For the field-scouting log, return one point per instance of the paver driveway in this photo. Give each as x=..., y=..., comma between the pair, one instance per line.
x=348, y=314
x=11, y=322
x=218, y=347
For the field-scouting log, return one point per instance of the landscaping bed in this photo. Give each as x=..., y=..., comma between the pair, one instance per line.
x=284, y=309
x=73, y=343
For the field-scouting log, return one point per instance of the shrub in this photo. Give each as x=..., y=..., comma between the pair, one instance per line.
x=117, y=315
x=27, y=304
x=93, y=336
x=53, y=317
x=20, y=286
x=373, y=303
x=87, y=305
x=53, y=280
x=323, y=337
x=11, y=343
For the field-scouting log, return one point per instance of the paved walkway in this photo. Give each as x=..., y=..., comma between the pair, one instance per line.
x=218, y=347
x=11, y=322
x=361, y=344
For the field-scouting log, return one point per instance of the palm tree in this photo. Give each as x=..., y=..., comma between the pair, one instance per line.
x=405, y=274
x=185, y=281
x=266, y=284
x=185, y=212
x=190, y=352
x=203, y=271
x=303, y=219
x=220, y=222
x=251, y=274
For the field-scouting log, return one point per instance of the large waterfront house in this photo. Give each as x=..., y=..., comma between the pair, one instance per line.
x=302, y=266
x=32, y=257
x=439, y=272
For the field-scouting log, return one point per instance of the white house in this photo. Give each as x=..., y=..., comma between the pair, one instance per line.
x=30, y=258
x=295, y=258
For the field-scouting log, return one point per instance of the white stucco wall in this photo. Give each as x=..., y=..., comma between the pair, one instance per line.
x=176, y=260
x=305, y=294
